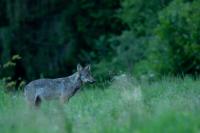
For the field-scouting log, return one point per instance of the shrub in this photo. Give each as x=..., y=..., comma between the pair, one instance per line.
x=132, y=46
x=7, y=73
x=178, y=32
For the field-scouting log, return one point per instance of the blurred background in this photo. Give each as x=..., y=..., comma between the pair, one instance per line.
x=146, y=39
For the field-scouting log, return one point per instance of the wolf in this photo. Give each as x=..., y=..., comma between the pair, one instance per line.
x=60, y=88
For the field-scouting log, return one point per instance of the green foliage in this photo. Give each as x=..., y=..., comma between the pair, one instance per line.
x=156, y=62
x=141, y=15
x=7, y=73
x=178, y=30
x=166, y=35
x=169, y=105
x=132, y=46
x=129, y=50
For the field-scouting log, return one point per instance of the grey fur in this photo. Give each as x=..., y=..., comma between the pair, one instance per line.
x=59, y=88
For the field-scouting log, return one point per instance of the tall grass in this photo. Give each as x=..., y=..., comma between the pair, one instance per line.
x=169, y=105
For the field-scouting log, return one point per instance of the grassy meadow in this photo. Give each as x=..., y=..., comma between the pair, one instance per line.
x=171, y=105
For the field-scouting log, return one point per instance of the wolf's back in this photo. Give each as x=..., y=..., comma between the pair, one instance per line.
x=43, y=88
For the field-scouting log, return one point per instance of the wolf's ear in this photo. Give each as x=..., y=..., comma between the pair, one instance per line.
x=79, y=67
x=88, y=67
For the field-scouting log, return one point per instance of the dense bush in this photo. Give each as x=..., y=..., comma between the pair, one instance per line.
x=132, y=46
x=178, y=30
x=140, y=15
x=175, y=46
x=168, y=37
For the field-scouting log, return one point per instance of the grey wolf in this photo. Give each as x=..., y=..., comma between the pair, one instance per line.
x=60, y=88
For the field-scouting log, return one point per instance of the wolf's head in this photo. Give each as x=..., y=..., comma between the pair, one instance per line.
x=85, y=74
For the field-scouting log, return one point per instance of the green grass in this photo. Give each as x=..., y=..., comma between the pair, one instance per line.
x=171, y=105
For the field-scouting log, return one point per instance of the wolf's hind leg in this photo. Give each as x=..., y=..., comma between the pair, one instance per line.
x=64, y=99
x=38, y=101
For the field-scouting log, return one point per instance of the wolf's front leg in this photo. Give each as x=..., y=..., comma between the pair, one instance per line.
x=64, y=99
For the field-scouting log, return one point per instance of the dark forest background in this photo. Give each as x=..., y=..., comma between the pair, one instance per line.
x=147, y=39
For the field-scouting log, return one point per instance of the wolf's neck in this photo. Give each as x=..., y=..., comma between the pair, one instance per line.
x=75, y=80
